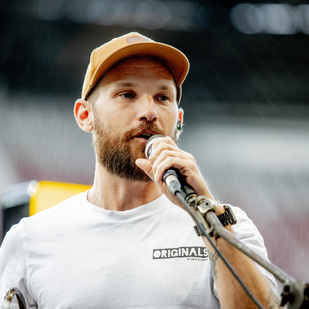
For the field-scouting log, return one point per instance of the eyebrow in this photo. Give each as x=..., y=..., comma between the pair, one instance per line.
x=126, y=84
x=132, y=84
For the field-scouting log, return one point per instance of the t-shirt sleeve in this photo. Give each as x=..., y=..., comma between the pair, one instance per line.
x=13, y=265
x=246, y=231
x=248, y=234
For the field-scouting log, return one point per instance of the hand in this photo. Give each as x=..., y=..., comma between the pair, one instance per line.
x=166, y=154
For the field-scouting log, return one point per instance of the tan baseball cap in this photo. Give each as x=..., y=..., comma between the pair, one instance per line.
x=129, y=45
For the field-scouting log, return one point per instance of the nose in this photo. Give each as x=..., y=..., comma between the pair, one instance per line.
x=147, y=110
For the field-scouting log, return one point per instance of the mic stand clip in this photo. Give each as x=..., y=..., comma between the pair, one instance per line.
x=203, y=205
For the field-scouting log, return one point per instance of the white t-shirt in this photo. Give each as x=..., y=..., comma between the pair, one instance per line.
x=77, y=255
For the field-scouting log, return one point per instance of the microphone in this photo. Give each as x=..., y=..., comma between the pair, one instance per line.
x=172, y=178
x=149, y=144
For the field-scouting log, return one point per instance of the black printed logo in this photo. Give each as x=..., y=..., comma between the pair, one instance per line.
x=181, y=252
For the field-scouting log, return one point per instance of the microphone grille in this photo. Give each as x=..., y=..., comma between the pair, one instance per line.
x=149, y=144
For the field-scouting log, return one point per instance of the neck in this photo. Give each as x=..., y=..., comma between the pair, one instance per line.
x=112, y=192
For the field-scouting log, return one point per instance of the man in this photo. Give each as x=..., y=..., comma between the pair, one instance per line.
x=124, y=244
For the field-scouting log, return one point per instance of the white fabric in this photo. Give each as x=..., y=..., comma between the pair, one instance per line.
x=77, y=255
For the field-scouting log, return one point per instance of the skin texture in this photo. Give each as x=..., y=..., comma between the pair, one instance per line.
x=138, y=97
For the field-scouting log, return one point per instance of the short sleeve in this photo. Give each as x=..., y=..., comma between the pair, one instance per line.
x=13, y=264
x=246, y=231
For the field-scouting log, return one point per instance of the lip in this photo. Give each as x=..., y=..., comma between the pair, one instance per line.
x=141, y=140
x=144, y=132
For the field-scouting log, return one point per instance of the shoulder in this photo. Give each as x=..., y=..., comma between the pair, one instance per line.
x=46, y=220
x=246, y=231
x=66, y=206
x=245, y=228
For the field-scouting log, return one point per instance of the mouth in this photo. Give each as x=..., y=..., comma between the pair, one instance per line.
x=145, y=135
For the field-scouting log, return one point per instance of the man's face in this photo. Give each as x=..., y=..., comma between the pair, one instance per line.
x=134, y=100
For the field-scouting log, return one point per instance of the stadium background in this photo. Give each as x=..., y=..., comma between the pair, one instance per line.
x=246, y=99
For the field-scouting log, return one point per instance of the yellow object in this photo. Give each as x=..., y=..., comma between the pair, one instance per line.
x=45, y=194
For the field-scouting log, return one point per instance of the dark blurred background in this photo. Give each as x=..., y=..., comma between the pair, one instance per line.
x=246, y=99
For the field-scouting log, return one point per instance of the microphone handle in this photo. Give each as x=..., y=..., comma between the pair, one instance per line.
x=176, y=183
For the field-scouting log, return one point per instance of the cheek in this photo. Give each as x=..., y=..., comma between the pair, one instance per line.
x=170, y=117
x=120, y=121
x=169, y=125
x=109, y=116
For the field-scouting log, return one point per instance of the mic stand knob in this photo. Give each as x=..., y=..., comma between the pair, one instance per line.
x=203, y=205
x=295, y=295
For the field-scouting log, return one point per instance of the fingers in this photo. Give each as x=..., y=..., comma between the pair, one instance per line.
x=168, y=159
x=165, y=155
x=160, y=148
x=145, y=166
x=164, y=152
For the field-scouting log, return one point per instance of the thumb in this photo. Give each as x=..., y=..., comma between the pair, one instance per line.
x=144, y=165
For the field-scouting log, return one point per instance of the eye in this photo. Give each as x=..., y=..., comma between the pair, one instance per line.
x=127, y=95
x=162, y=98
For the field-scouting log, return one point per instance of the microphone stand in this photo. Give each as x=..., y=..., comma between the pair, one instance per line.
x=202, y=210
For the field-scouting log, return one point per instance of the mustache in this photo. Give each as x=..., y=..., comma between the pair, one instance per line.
x=147, y=126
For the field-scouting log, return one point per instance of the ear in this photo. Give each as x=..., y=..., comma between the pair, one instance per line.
x=180, y=118
x=83, y=115
x=179, y=121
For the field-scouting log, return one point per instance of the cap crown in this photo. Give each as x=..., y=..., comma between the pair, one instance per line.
x=129, y=45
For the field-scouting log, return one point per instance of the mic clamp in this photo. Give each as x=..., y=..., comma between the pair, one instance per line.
x=203, y=205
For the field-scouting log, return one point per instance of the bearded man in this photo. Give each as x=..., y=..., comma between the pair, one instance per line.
x=126, y=243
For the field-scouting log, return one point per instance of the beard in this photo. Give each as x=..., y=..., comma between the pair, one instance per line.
x=118, y=153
